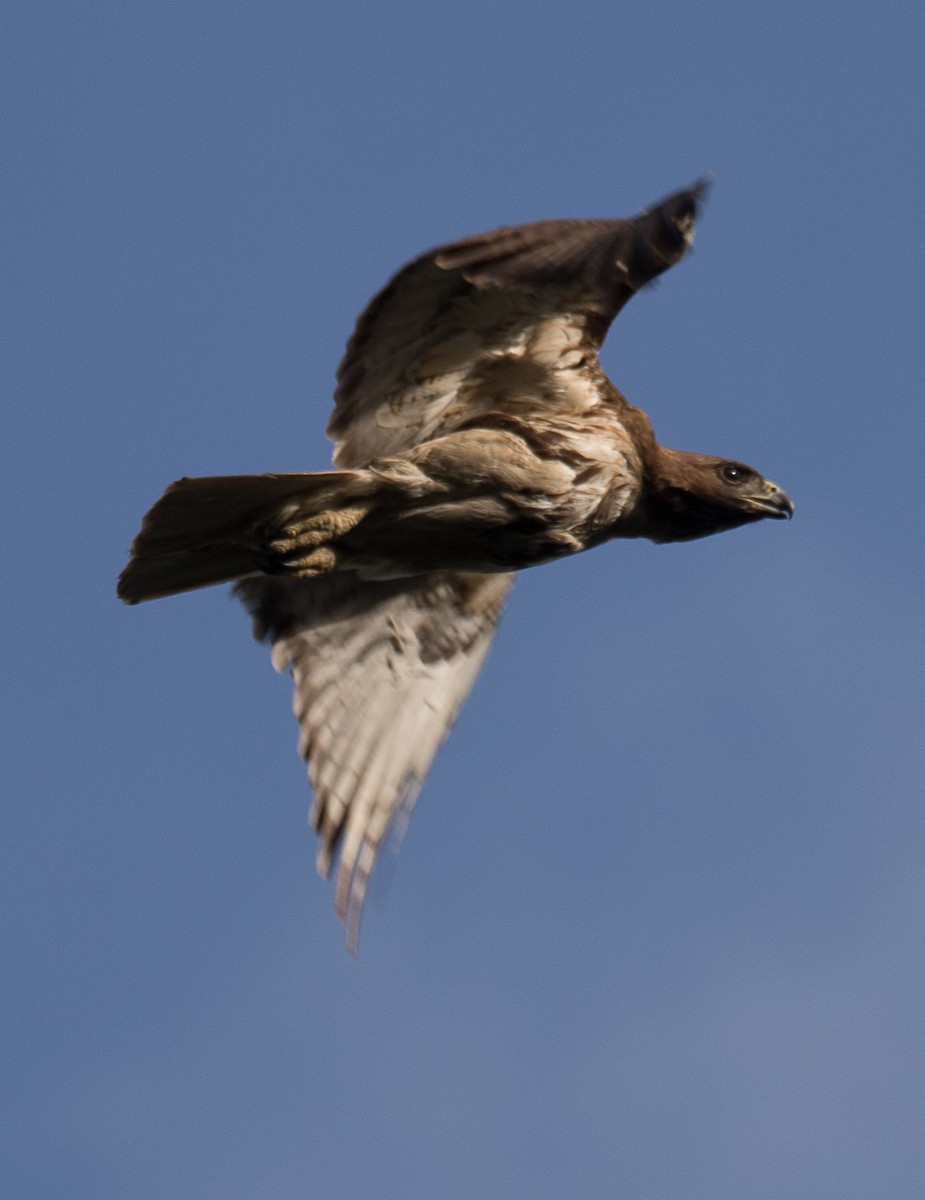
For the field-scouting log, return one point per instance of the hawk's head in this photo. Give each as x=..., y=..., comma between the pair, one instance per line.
x=689, y=496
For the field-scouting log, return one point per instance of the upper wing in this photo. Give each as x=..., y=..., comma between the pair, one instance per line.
x=544, y=292
x=381, y=670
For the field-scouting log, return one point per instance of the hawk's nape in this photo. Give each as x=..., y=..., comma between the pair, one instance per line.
x=476, y=435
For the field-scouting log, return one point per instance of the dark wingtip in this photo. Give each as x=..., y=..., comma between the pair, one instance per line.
x=665, y=232
x=700, y=189
x=687, y=202
x=124, y=588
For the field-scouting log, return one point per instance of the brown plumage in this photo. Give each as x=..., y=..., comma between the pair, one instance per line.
x=476, y=435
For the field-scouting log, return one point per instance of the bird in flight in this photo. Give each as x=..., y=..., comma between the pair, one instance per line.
x=475, y=435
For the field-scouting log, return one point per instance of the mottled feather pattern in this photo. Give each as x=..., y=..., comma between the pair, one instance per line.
x=381, y=671
x=479, y=298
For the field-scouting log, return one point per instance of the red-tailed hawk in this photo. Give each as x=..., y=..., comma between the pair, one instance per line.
x=476, y=435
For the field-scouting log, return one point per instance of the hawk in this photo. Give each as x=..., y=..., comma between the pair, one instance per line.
x=476, y=434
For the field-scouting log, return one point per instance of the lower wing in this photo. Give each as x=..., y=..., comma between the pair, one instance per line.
x=381, y=671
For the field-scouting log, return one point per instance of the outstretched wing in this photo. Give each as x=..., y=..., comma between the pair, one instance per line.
x=543, y=293
x=381, y=671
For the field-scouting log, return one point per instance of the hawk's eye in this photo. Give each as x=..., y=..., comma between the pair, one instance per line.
x=730, y=473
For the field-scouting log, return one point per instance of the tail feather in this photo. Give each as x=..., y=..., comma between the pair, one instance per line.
x=205, y=531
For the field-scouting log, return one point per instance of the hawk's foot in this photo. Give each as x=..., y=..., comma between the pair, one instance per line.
x=302, y=546
x=305, y=566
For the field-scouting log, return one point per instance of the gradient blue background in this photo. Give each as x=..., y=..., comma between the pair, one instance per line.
x=657, y=928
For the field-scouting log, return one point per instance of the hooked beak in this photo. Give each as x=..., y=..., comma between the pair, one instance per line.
x=771, y=501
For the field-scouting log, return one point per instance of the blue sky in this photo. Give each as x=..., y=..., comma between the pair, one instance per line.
x=656, y=929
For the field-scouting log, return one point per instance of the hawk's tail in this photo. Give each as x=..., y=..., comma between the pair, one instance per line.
x=207, y=531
